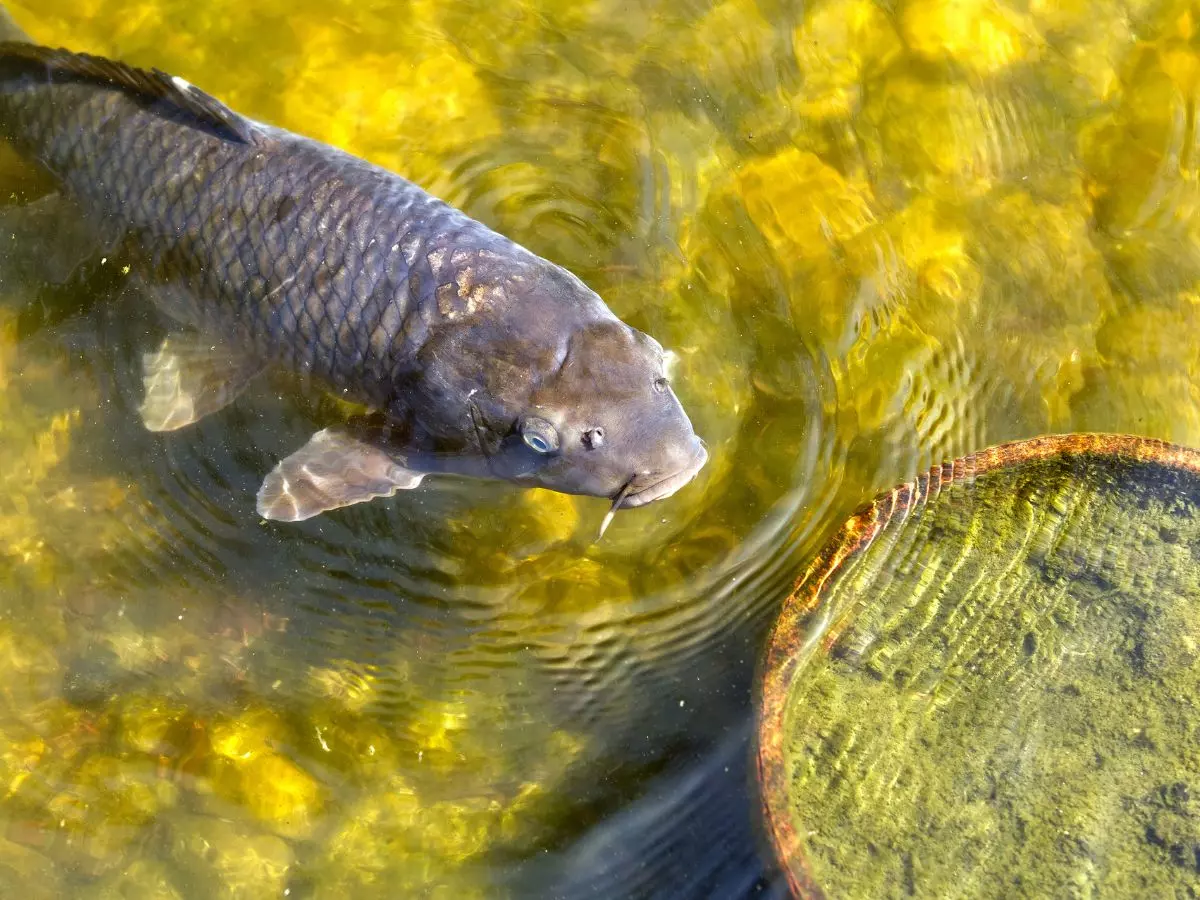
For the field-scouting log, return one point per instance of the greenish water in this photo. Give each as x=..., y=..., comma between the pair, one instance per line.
x=876, y=234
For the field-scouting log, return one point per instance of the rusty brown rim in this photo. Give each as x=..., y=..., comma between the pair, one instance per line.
x=780, y=661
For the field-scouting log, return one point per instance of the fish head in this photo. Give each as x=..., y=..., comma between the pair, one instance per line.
x=603, y=421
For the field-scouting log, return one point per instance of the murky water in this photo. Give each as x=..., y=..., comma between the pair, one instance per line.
x=876, y=234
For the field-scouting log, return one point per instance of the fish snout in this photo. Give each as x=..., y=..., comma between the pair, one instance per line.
x=683, y=462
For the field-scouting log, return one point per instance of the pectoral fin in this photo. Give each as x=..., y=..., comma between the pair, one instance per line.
x=332, y=470
x=188, y=378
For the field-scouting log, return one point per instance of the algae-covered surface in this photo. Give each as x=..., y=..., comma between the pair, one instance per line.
x=987, y=683
x=876, y=235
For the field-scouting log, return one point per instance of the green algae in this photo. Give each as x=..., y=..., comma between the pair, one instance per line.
x=1004, y=699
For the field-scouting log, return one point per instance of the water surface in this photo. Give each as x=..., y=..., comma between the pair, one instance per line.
x=877, y=235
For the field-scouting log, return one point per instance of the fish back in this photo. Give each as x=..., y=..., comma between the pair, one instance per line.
x=293, y=250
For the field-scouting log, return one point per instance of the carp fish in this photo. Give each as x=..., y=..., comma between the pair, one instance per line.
x=265, y=248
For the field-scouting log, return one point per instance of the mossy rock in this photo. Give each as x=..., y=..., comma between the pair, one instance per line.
x=988, y=683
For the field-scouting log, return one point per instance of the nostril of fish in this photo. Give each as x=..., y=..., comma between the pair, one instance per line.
x=593, y=438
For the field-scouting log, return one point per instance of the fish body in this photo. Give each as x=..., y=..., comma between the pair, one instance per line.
x=479, y=357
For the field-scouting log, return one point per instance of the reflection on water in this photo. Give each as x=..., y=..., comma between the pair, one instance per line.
x=876, y=235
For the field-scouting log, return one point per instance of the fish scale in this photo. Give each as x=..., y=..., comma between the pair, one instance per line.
x=223, y=213
x=275, y=249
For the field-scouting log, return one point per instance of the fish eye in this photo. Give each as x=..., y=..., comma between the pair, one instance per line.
x=539, y=435
x=661, y=384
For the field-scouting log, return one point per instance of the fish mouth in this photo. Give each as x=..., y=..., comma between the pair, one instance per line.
x=665, y=487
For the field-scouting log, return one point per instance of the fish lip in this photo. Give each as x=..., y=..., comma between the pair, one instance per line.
x=665, y=487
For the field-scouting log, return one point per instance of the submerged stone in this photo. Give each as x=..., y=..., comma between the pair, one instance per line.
x=250, y=735
x=27, y=874
x=838, y=43
x=985, y=682
x=275, y=790
x=229, y=860
x=981, y=35
x=144, y=879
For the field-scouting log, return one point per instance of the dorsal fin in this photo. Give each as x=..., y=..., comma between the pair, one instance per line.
x=153, y=89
